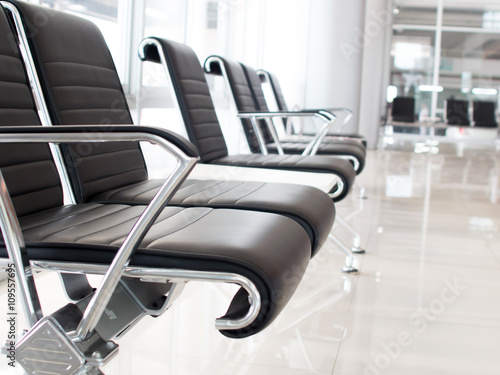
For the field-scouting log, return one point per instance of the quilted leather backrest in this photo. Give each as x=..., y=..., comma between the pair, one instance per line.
x=82, y=87
x=278, y=93
x=242, y=97
x=193, y=96
x=255, y=86
x=28, y=169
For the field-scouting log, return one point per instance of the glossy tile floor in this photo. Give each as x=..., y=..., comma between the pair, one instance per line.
x=426, y=300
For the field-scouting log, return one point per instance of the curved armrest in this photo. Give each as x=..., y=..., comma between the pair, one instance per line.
x=99, y=133
x=313, y=146
x=322, y=114
x=186, y=155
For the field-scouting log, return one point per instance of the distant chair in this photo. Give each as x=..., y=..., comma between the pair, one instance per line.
x=403, y=109
x=483, y=114
x=457, y=112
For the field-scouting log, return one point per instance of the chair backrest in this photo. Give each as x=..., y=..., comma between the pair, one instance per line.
x=29, y=170
x=241, y=92
x=81, y=86
x=484, y=114
x=193, y=96
x=403, y=109
x=259, y=98
x=278, y=93
x=457, y=112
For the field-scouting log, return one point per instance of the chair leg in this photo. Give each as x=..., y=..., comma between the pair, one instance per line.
x=356, y=248
x=349, y=260
x=361, y=190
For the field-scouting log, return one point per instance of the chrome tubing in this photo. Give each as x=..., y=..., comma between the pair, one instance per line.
x=40, y=103
x=274, y=134
x=258, y=133
x=174, y=276
x=338, y=191
x=115, y=271
x=14, y=243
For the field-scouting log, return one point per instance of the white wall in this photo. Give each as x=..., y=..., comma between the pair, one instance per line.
x=375, y=73
x=334, y=61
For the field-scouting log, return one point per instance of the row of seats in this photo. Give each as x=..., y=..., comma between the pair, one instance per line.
x=148, y=237
x=456, y=112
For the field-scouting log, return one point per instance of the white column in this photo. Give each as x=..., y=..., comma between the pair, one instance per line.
x=376, y=67
x=336, y=38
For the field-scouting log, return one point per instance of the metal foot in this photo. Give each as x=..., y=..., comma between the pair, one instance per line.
x=357, y=250
x=349, y=259
x=349, y=269
x=361, y=194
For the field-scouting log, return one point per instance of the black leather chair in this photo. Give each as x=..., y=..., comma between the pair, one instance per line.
x=129, y=244
x=198, y=112
x=272, y=80
x=484, y=114
x=249, y=98
x=403, y=109
x=73, y=89
x=108, y=105
x=457, y=112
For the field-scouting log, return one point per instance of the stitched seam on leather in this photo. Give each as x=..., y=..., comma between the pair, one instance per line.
x=47, y=188
x=117, y=191
x=192, y=80
x=64, y=217
x=21, y=83
x=251, y=192
x=225, y=191
x=113, y=175
x=88, y=109
x=212, y=136
x=159, y=222
x=185, y=226
x=145, y=192
x=111, y=227
x=200, y=191
x=19, y=109
x=83, y=64
x=89, y=221
x=11, y=56
x=87, y=86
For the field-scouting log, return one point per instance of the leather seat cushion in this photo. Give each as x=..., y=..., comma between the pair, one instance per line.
x=319, y=164
x=324, y=149
x=307, y=205
x=263, y=247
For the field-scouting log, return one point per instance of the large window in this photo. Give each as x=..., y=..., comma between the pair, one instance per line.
x=445, y=49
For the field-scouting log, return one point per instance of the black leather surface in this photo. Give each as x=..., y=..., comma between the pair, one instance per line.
x=194, y=99
x=242, y=96
x=329, y=140
x=332, y=148
x=198, y=107
x=271, y=250
x=282, y=106
x=264, y=247
x=308, y=206
x=320, y=164
x=324, y=149
x=184, y=145
x=81, y=83
x=21, y=161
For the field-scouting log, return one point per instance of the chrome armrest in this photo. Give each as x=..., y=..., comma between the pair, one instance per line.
x=186, y=155
x=312, y=147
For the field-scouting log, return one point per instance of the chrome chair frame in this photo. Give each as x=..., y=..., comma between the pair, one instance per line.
x=142, y=55
x=265, y=77
x=311, y=149
x=112, y=274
